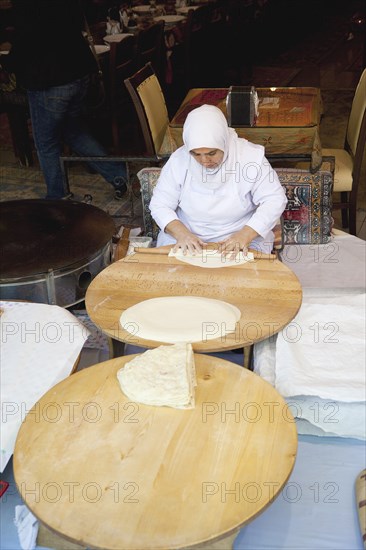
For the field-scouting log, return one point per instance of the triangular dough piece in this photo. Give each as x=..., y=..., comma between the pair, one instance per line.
x=164, y=376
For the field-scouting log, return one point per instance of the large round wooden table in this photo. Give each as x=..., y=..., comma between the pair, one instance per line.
x=112, y=474
x=266, y=291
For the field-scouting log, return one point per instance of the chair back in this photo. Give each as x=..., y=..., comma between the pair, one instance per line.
x=149, y=47
x=217, y=52
x=196, y=46
x=149, y=101
x=357, y=113
x=121, y=66
x=217, y=23
x=119, y=107
x=98, y=31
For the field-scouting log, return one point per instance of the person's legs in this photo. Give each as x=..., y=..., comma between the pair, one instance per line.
x=84, y=144
x=56, y=115
x=47, y=109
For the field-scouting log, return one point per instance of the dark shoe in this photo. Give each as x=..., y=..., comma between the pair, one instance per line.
x=68, y=197
x=88, y=199
x=120, y=192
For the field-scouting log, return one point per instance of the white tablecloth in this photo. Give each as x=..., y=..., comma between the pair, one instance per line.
x=316, y=509
x=318, y=361
x=39, y=347
x=341, y=263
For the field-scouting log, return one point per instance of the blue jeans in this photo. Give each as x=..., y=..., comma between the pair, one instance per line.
x=57, y=118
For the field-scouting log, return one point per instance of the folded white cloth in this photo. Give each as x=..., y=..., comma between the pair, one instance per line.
x=27, y=527
x=303, y=372
x=304, y=427
x=340, y=263
x=39, y=347
x=328, y=417
x=264, y=354
x=313, y=415
x=322, y=351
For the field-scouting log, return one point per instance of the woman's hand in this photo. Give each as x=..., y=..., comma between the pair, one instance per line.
x=186, y=240
x=240, y=240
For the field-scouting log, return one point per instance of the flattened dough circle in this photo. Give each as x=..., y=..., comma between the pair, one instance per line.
x=174, y=319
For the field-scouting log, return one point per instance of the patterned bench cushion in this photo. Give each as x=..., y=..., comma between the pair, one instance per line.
x=307, y=218
x=148, y=178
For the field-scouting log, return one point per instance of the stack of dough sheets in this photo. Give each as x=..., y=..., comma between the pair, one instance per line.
x=164, y=376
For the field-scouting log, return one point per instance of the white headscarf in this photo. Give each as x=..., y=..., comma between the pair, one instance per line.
x=206, y=126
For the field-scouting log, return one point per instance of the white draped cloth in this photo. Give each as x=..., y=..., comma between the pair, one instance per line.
x=318, y=363
x=39, y=347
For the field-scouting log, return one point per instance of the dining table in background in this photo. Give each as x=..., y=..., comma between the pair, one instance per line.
x=154, y=477
x=287, y=124
x=267, y=293
x=174, y=32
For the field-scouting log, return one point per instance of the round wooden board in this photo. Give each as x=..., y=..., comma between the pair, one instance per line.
x=111, y=474
x=267, y=293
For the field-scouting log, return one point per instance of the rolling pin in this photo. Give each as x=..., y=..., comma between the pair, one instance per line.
x=164, y=250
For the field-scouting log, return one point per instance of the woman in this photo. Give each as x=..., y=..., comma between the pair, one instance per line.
x=217, y=187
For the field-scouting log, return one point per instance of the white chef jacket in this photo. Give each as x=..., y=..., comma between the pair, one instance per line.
x=250, y=195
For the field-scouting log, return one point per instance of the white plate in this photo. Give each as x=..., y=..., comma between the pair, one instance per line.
x=142, y=9
x=170, y=20
x=185, y=9
x=146, y=8
x=174, y=319
x=100, y=48
x=115, y=37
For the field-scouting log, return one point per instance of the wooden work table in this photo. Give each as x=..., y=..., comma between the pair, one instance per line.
x=108, y=473
x=267, y=293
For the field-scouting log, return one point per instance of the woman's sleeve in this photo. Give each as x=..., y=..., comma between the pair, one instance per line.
x=165, y=199
x=269, y=197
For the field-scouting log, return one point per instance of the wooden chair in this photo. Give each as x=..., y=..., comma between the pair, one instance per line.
x=149, y=101
x=15, y=105
x=150, y=47
x=122, y=64
x=148, y=98
x=98, y=31
x=115, y=118
x=348, y=161
x=217, y=45
x=196, y=47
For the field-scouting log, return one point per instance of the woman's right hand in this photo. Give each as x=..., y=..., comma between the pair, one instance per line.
x=186, y=241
